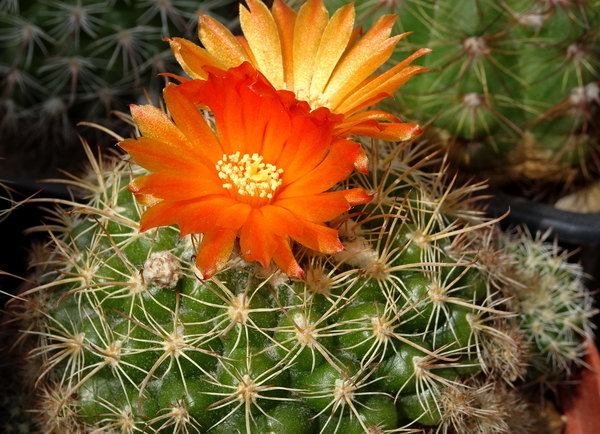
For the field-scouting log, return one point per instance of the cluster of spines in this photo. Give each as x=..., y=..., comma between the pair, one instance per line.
x=551, y=304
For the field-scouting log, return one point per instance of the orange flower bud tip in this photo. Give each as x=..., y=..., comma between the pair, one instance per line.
x=336, y=248
x=369, y=197
x=179, y=78
x=361, y=164
x=295, y=270
x=208, y=273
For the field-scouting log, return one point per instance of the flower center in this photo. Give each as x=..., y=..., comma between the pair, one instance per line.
x=248, y=175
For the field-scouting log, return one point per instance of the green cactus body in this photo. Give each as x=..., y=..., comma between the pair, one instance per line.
x=382, y=337
x=513, y=81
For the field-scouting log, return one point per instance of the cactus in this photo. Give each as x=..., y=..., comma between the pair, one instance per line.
x=268, y=274
x=64, y=62
x=513, y=90
x=428, y=303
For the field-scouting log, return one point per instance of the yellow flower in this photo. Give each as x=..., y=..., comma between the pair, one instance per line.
x=322, y=61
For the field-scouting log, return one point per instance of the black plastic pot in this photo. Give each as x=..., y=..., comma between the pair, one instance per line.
x=574, y=231
x=569, y=227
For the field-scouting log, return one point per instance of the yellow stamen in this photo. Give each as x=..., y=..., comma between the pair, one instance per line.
x=248, y=175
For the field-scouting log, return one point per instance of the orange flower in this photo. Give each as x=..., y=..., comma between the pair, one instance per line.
x=321, y=60
x=262, y=177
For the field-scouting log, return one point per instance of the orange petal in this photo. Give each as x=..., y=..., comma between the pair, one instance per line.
x=285, y=260
x=312, y=235
x=175, y=188
x=192, y=124
x=352, y=74
x=320, y=238
x=261, y=33
x=194, y=216
x=396, y=132
x=283, y=223
x=337, y=166
x=310, y=24
x=277, y=130
x=230, y=123
x=301, y=132
x=357, y=196
x=220, y=43
x=350, y=115
x=285, y=19
x=376, y=115
x=319, y=208
x=163, y=157
x=362, y=162
x=333, y=44
x=244, y=42
x=241, y=100
x=234, y=216
x=144, y=199
x=257, y=241
x=265, y=124
x=306, y=147
x=215, y=250
x=192, y=57
x=156, y=124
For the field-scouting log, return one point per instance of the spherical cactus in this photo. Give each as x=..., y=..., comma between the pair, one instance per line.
x=514, y=82
x=64, y=62
x=428, y=302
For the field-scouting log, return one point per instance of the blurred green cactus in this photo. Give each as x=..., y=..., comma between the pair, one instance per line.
x=64, y=62
x=513, y=87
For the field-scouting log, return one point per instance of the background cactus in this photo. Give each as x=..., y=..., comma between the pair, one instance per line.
x=432, y=319
x=64, y=62
x=514, y=82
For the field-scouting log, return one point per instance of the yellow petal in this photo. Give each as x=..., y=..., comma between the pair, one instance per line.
x=219, y=42
x=262, y=36
x=333, y=44
x=310, y=24
x=373, y=49
x=192, y=57
x=285, y=19
x=246, y=46
x=387, y=82
x=155, y=124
